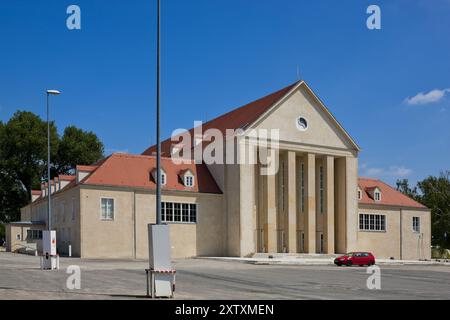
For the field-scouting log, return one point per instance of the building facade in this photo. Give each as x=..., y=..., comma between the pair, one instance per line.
x=313, y=203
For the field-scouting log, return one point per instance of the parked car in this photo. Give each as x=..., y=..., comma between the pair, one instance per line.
x=355, y=258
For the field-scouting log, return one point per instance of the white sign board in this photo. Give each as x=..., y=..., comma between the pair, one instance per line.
x=49, y=242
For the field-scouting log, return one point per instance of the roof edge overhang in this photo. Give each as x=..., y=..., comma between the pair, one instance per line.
x=147, y=190
x=390, y=206
x=321, y=105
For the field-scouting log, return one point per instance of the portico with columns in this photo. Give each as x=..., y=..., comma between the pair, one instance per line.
x=309, y=205
x=300, y=209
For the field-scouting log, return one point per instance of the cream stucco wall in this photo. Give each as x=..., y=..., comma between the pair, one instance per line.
x=322, y=131
x=64, y=221
x=324, y=144
x=404, y=245
x=126, y=236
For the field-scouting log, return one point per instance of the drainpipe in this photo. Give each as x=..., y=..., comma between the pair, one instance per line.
x=401, y=234
x=134, y=218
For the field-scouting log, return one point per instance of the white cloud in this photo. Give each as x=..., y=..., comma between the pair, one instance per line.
x=426, y=98
x=400, y=172
x=114, y=150
x=374, y=172
x=391, y=171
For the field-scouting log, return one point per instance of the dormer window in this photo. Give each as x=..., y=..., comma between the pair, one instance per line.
x=377, y=195
x=155, y=176
x=189, y=181
x=188, y=178
x=374, y=193
x=359, y=194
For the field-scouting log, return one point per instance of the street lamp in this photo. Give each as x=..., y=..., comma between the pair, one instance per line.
x=49, y=206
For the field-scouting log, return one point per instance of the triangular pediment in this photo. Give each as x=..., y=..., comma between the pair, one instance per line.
x=302, y=118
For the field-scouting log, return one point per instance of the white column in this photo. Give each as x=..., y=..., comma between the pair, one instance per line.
x=329, y=205
x=292, y=201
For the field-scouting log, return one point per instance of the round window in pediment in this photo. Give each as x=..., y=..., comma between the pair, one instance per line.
x=302, y=124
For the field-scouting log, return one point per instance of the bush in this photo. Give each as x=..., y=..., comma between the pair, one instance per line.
x=440, y=253
x=2, y=231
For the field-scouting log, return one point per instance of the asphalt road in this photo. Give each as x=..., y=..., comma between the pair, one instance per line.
x=21, y=278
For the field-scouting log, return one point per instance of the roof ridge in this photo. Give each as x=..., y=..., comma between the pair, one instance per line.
x=254, y=103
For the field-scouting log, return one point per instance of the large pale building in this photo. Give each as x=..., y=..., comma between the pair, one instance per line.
x=314, y=203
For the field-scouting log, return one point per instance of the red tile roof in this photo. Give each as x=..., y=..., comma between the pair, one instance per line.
x=389, y=195
x=66, y=177
x=126, y=170
x=87, y=168
x=236, y=119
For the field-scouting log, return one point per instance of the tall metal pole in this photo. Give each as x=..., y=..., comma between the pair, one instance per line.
x=158, y=100
x=49, y=208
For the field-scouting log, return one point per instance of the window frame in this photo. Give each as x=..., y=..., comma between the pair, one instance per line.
x=377, y=195
x=73, y=209
x=182, y=216
x=114, y=209
x=372, y=222
x=321, y=190
x=416, y=224
x=186, y=178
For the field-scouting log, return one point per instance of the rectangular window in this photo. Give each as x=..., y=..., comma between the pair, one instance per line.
x=302, y=187
x=62, y=207
x=321, y=190
x=193, y=213
x=169, y=212
x=189, y=181
x=73, y=209
x=321, y=243
x=282, y=186
x=185, y=212
x=163, y=211
x=179, y=212
x=107, y=209
x=377, y=196
x=372, y=222
x=416, y=224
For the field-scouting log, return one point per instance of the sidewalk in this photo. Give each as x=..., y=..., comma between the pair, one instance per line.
x=316, y=260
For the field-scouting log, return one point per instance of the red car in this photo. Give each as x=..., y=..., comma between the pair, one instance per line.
x=355, y=258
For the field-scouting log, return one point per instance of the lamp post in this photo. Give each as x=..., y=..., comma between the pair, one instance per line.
x=158, y=131
x=49, y=205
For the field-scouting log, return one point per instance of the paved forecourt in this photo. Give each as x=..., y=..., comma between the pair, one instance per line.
x=21, y=278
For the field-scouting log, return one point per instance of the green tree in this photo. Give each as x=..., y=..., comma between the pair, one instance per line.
x=23, y=158
x=435, y=194
x=24, y=148
x=403, y=187
x=78, y=147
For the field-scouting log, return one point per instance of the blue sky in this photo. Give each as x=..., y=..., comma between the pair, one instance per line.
x=218, y=55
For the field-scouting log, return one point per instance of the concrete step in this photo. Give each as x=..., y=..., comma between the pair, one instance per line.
x=294, y=256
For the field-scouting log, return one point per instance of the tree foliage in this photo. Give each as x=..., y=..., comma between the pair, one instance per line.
x=78, y=147
x=23, y=157
x=434, y=193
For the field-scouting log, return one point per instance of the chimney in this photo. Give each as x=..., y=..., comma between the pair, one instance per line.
x=57, y=184
x=52, y=186
x=64, y=181
x=83, y=172
x=44, y=191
